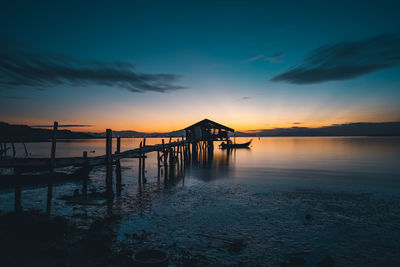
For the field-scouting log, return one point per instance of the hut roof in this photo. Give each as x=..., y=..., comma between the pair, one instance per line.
x=210, y=124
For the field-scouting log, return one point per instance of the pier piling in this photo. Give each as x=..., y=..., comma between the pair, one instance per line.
x=52, y=166
x=108, y=162
x=85, y=177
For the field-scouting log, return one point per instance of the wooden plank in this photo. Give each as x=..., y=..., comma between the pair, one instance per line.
x=80, y=161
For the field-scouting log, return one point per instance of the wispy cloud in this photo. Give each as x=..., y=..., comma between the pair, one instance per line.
x=345, y=61
x=254, y=58
x=244, y=98
x=274, y=58
x=20, y=69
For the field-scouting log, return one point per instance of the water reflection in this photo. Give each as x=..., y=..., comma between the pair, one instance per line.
x=260, y=195
x=327, y=161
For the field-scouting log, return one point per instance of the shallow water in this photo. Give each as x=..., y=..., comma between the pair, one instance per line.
x=260, y=196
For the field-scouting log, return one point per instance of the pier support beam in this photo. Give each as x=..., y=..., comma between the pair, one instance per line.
x=165, y=154
x=52, y=166
x=158, y=165
x=144, y=162
x=85, y=177
x=118, y=175
x=108, y=162
x=140, y=163
x=194, y=152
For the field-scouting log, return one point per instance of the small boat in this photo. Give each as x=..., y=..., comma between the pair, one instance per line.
x=224, y=145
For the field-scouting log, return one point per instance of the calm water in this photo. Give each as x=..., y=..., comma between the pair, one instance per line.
x=349, y=185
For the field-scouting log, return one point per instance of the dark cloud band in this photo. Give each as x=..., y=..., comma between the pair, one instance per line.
x=345, y=61
x=43, y=71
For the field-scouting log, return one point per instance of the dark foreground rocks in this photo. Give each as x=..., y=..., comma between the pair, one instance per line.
x=33, y=239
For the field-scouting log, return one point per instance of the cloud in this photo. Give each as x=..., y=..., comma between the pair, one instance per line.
x=20, y=69
x=257, y=57
x=275, y=58
x=244, y=98
x=344, y=61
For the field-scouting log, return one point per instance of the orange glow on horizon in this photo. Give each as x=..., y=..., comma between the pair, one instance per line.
x=247, y=128
x=243, y=117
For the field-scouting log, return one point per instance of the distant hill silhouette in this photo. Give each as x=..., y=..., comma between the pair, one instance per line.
x=349, y=129
x=24, y=133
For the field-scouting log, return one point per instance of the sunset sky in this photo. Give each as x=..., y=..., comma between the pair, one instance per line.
x=163, y=65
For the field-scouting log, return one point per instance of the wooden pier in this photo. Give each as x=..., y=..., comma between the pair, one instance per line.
x=171, y=157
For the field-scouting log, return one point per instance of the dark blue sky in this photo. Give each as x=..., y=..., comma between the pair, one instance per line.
x=159, y=65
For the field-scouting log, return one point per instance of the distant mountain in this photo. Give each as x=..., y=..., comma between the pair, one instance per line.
x=349, y=129
x=24, y=133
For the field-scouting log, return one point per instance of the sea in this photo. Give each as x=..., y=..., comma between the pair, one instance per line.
x=284, y=200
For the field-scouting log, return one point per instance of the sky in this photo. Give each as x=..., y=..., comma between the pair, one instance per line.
x=159, y=66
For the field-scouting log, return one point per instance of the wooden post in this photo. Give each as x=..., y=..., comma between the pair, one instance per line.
x=189, y=153
x=181, y=156
x=26, y=151
x=176, y=158
x=165, y=159
x=158, y=165
x=140, y=162
x=53, y=144
x=109, y=163
x=118, y=168
x=194, y=152
x=184, y=149
x=13, y=148
x=108, y=146
x=85, y=177
x=144, y=162
x=171, y=160
x=52, y=166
